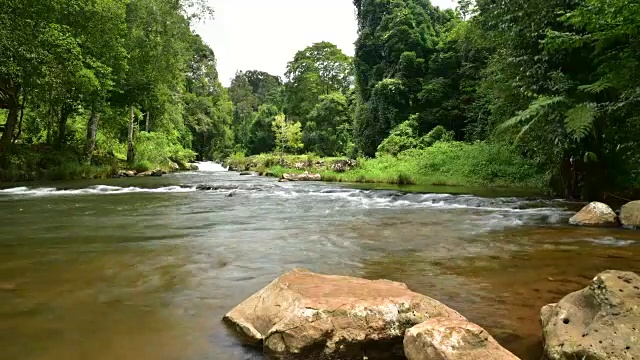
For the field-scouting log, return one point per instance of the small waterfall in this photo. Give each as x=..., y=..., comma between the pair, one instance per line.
x=209, y=166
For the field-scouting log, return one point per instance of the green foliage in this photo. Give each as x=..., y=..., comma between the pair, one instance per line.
x=328, y=129
x=319, y=69
x=288, y=135
x=28, y=163
x=87, y=76
x=450, y=163
x=157, y=151
x=403, y=137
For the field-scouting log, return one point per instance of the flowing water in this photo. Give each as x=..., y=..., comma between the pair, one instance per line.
x=145, y=268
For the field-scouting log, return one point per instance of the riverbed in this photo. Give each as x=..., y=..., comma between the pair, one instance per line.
x=145, y=268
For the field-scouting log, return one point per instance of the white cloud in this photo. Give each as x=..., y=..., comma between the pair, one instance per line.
x=266, y=34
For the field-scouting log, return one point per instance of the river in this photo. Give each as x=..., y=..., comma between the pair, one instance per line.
x=145, y=268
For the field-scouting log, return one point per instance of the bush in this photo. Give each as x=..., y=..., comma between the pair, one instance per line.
x=403, y=137
x=158, y=150
x=142, y=166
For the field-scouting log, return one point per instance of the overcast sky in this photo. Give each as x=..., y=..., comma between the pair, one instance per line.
x=266, y=34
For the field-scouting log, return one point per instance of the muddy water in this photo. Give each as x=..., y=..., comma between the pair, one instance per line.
x=145, y=268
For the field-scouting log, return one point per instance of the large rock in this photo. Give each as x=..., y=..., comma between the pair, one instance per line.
x=600, y=322
x=173, y=167
x=301, y=177
x=452, y=339
x=343, y=165
x=630, y=214
x=595, y=214
x=304, y=315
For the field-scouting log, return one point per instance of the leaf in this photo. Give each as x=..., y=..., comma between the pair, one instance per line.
x=596, y=87
x=579, y=120
x=535, y=109
x=590, y=157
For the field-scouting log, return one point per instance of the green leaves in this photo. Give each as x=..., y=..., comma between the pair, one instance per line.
x=579, y=120
x=288, y=135
x=535, y=110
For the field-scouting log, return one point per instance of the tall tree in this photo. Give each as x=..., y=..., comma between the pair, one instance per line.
x=317, y=70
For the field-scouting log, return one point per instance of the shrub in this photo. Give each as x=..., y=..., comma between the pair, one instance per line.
x=142, y=166
x=159, y=149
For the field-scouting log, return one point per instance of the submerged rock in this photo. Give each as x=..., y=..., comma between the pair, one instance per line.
x=249, y=173
x=599, y=322
x=630, y=214
x=302, y=177
x=192, y=167
x=595, y=214
x=304, y=315
x=8, y=287
x=452, y=339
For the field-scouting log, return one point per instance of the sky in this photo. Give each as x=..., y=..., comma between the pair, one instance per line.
x=266, y=34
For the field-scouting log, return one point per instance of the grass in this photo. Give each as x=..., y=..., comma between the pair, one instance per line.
x=445, y=163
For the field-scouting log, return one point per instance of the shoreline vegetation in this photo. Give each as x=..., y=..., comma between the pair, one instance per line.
x=550, y=102
x=444, y=163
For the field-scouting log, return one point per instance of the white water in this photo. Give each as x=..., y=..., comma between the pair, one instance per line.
x=209, y=166
x=94, y=190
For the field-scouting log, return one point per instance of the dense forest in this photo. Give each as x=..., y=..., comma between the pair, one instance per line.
x=542, y=93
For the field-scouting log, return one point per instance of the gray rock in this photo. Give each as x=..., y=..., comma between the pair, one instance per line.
x=302, y=177
x=630, y=214
x=452, y=339
x=600, y=322
x=595, y=214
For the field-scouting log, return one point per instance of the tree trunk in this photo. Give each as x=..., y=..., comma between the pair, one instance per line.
x=62, y=126
x=22, y=107
x=92, y=132
x=146, y=127
x=130, y=149
x=13, y=104
x=9, y=127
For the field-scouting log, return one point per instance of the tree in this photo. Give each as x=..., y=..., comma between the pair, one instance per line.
x=317, y=70
x=288, y=136
x=396, y=42
x=329, y=126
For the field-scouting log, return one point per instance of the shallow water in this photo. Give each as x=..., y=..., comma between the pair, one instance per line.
x=145, y=268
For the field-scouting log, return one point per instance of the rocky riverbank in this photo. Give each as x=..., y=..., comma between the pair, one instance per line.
x=304, y=315
x=598, y=214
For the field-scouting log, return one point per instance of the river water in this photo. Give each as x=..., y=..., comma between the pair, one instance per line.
x=145, y=268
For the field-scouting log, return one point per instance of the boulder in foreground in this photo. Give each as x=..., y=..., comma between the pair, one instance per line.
x=595, y=214
x=301, y=177
x=304, y=315
x=452, y=339
x=600, y=322
x=630, y=214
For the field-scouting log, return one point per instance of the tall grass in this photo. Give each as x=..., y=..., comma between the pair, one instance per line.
x=449, y=163
x=444, y=163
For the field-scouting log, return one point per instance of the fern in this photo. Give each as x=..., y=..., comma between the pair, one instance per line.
x=532, y=113
x=579, y=120
x=596, y=87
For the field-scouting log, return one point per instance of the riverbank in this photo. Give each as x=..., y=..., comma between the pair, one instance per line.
x=449, y=164
x=44, y=163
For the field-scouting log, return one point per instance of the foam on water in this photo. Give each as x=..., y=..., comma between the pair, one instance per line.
x=611, y=241
x=209, y=166
x=93, y=190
